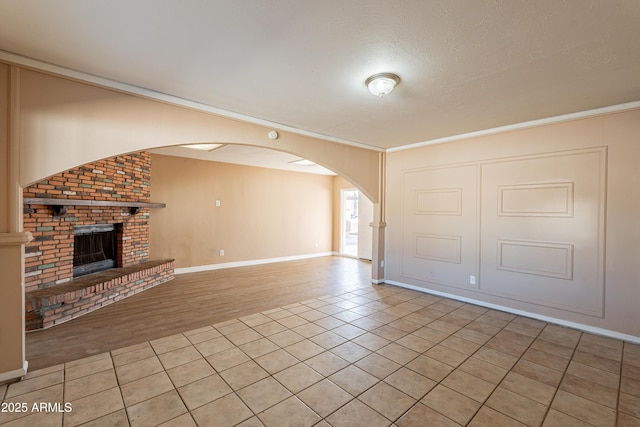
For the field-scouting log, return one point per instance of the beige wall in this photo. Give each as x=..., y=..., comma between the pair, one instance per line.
x=263, y=213
x=65, y=123
x=531, y=214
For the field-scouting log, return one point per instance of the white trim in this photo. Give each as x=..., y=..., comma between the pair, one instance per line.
x=377, y=282
x=210, y=267
x=523, y=125
x=16, y=374
x=171, y=99
x=11, y=239
x=585, y=328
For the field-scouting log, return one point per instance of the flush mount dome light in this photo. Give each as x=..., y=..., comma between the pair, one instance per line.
x=381, y=84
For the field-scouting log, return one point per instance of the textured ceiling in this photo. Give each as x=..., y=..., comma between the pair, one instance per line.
x=465, y=65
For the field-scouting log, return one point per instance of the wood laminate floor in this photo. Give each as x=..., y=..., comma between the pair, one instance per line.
x=191, y=301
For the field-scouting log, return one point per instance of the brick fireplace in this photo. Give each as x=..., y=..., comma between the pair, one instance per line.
x=70, y=215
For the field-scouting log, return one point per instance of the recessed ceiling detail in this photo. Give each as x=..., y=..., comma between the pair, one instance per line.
x=247, y=155
x=203, y=147
x=303, y=162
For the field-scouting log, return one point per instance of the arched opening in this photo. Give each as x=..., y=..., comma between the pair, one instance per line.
x=56, y=124
x=264, y=215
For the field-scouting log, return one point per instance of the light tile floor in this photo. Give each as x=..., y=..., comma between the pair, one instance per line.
x=372, y=357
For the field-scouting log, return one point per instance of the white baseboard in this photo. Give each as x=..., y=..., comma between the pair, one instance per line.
x=14, y=375
x=210, y=267
x=582, y=327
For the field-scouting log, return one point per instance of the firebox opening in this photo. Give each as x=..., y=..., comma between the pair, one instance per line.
x=95, y=248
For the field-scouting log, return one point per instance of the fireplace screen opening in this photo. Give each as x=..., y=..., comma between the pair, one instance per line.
x=95, y=248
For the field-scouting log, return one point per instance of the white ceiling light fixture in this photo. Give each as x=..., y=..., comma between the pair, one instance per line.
x=382, y=83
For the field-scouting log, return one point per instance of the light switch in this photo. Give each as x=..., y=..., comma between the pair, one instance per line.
x=217, y=203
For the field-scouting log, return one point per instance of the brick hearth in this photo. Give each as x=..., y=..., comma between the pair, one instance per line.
x=57, y=304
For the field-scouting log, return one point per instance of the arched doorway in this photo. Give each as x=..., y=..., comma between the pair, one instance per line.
x=55, y=123
x=356, y=215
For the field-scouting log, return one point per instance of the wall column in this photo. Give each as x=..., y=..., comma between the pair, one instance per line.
x=377, y=256
x=379, y=225
x=12, y=238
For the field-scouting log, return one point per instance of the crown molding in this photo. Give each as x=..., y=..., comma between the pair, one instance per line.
x=524, y=125
x=38, y=65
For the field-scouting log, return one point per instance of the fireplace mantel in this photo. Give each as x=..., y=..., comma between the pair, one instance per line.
x=60, y=206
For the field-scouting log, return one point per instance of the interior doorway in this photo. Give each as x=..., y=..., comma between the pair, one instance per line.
x=356, y=213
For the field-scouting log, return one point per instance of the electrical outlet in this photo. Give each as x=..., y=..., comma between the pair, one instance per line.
x=472, y=280
x=221, y=252
x=218, y=203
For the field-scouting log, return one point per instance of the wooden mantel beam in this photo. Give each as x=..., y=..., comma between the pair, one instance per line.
x=60, y=205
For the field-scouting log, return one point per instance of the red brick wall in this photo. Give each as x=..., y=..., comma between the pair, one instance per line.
x=49, y=257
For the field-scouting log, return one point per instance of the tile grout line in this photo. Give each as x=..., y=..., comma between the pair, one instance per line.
x=126, y=413
x=482, y=404
x=471, y=355
x=418, y=401
x=516, y=362
x=172, y=383
x=353, y=364
x=404, y=365
x=327, y=377
x=620, y=373
x=564, y=373
x=446, y=376
x=254, y=360
x=349, y=364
